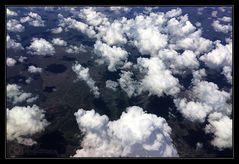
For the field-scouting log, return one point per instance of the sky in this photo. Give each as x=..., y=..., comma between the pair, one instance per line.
x=126, y=76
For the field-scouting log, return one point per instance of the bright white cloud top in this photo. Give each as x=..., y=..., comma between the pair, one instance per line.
x=34, y=69
x=11, y=13
x=147, y=135
x=10, y=62
x=15, y=26
x=113, y=56
x=12, y=44
x=83, y=74
x=40, y=46
x=23, y=122
x=16, y=95
x=221, y=127
x=33, y=19
x=59, y=42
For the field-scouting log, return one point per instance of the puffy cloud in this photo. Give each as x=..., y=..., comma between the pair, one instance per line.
x=11, y=13
x=149, y=40
x=219, y=57
x=13, y=44
x=14, y=26
x=113, y=56
x=16, y=95
x=57, y=30
x=173, y=13
x=28, y=80
x=181, y=27
x=198, y=24
x=203, y=99
x=214, y=14
x=40, y=46
x=33, y=69
x=92, y=17
x=75, y=50
x=221, y=27
x=33, y=19
x=147, y=135
x=209, y=93
x=112, y=34
x=193, y=42
x=59, y=42
x=227, y=72
x=10, y=62
x=22, y=122
x=83, y=74
x=187, y=60
x=128, y=84
x=158, y=80
x=118, y=9
x=221, y=127
x=77, y=25
x=127, y=65
x=225, y=19
x=111, y=84
x=178, y=63
x=22, y=59
x=194, y=111
x=198, y=75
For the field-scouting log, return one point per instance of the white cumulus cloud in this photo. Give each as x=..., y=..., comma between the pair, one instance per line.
x=14, y=25
x=158, y=80
x=221, y=127
x=128, y=84
x=58, y=42
x=10, y=62
x=13, y=44
x=33, y=19
x=16, y=95
x=147, y=135
x=217, y=26
x=111, y=84
x=11, y=13
x=77, y=25
x=92, y=17
x=34, y=69
x=83, y=74
x=23, y=122
x=113, y=56
x=22, y=59
x=40, y=46
x=57, y=30
x=219, y=57
x=76, y=49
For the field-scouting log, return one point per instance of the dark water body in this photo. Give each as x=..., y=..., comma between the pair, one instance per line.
x=49, y=89
x=56, y=68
